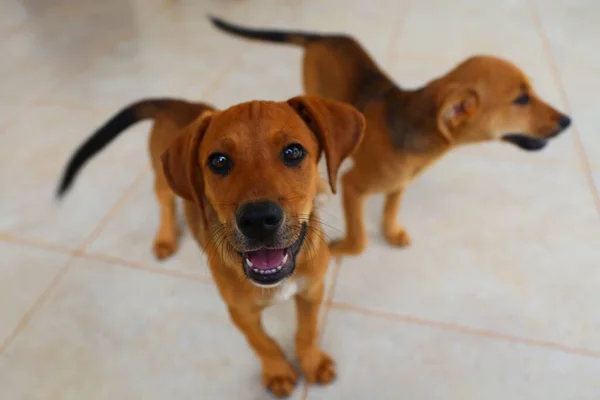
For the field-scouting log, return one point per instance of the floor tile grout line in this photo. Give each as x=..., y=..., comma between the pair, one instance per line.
x=8, y=238
x=106, y=258
x=547, y=48
x=35, y=307
x=101, y=225
x=484, y=333
x=119, y=262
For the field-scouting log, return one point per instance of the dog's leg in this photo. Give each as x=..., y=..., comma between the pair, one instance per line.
x=317, y=366
x=354, y=200
x=277, y=374
x=393, y=231
x=165, y=241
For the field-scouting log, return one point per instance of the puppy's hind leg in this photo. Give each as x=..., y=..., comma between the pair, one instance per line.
x=165, y=241
x=393, y=231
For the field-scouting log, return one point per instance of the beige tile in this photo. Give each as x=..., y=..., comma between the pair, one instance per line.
x=113, y=332
x=511, y=247
x=384, y=359
x=505, y=29
x=157, y=61
x=37, y=148
x=24, y=275
x=54, y=42
x=280, y=65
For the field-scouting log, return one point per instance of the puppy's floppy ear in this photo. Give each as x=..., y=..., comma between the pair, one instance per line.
x=339, y=129
x=180, y=161
x=459, y=104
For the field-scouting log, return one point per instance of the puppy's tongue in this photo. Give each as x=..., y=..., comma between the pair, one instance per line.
x=266, y=258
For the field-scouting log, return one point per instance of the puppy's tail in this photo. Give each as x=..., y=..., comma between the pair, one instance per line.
x=298, y=38
x=141, y=110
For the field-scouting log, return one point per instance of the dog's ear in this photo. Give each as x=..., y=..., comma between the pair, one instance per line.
x=180, y=161
x=339, y=129
x=458, y=105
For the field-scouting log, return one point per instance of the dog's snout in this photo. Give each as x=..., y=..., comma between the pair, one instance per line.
x=259, y=220
x=564, y=121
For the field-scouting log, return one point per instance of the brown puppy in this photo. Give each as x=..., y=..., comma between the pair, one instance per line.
x=248, y=176
x=483, y=98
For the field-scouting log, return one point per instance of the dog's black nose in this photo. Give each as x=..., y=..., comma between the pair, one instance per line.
x=259, y=220
x=564, y=122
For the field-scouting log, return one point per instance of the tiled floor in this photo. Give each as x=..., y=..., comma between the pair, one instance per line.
x=496, y=299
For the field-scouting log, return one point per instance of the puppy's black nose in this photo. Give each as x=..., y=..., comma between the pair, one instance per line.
x=259, y=220
x=564, y=122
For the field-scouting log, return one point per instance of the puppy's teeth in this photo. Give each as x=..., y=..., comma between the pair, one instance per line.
x=249, y=262
x=284, y=258
x=279, y=268
x=256, y=270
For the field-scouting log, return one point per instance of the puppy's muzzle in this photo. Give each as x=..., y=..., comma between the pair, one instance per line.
x=530, y=143
x=271, y=254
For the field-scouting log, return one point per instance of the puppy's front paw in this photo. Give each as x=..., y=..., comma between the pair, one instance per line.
x=340, y=248
x=398, y=238
x=279, y=377
x=164, y=248
x=319, y=368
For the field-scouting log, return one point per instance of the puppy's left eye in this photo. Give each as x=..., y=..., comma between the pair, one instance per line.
x=293, y=154
x=219, y=163
x=523, y=99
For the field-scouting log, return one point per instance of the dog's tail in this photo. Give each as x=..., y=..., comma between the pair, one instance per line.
x=141, y=110
x=297, y=38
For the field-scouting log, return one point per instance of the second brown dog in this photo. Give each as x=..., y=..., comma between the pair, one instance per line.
x=483, y=98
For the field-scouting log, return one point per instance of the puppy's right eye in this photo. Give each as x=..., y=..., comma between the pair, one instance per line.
x=523, y=99
x=219, y=163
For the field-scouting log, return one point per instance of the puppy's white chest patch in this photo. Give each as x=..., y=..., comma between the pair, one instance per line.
x=287, y=290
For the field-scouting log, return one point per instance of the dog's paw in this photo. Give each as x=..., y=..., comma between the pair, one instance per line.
x=164, y=249
x=398, y=238
x=340, y=248
x=318, y=369
x=279, y=377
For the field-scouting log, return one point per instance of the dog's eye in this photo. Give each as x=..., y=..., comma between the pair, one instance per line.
x=523, y=99
x=219, y=163
x=293, y=154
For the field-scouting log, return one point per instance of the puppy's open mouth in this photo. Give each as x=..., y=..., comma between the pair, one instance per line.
x=525, y=142
x=269, y=267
